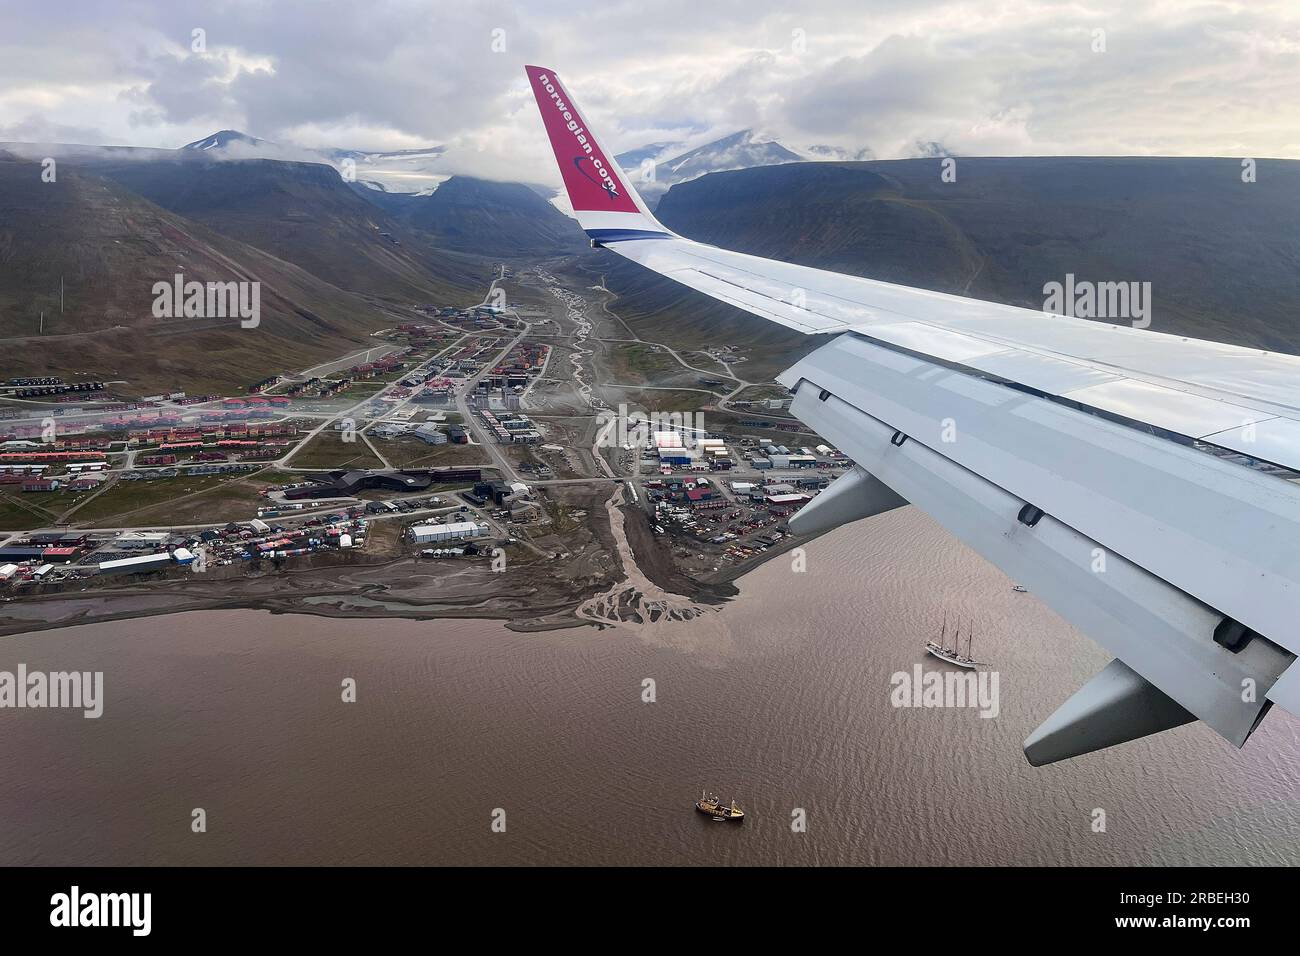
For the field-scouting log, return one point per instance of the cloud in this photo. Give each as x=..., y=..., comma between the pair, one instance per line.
x=1018, y=77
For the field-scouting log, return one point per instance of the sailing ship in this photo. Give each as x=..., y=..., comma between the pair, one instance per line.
x=953, y=655
x=718, y=810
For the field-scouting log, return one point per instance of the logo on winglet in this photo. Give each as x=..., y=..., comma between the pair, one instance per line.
x=596, y=169
x=605, y=184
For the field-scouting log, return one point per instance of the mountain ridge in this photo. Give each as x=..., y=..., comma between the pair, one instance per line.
x=1223, y=256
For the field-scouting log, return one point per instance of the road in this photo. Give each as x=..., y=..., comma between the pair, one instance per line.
x=490, y=444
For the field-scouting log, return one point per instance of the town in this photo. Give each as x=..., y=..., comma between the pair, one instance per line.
x=456, y=436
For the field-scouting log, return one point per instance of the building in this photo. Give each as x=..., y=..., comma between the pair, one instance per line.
x=141, y=539
x=497, y=491
x=345, y=484
x=21, y=553
x=786, y=501
x=458, y=531
x=61, y=555
x=793, y=461
x=136, y=565
x=430, y=435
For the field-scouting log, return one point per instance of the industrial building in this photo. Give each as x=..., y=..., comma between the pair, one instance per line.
x=137, y=564
x=141, y=539
x=458, y=531
x=430, y=435
x=346, y=484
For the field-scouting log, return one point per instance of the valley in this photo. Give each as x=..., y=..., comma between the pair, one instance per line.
x=462, y=360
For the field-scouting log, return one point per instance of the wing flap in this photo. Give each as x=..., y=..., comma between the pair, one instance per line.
x=1157, y=629
x=1222, y=533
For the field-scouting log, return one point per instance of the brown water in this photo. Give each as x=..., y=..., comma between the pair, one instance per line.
x=780, y=699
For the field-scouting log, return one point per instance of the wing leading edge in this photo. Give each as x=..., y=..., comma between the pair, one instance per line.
x=1167, y=462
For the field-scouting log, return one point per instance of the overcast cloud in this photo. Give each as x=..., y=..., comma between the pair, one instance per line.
x=983, y=78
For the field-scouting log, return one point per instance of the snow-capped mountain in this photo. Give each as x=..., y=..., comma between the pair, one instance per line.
x=410, y=171
x=224, y=139
x=738, y=151
x=633, y=158
x=838, y=154
x=929, y=149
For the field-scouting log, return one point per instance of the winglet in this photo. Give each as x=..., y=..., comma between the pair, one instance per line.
x=603, y=200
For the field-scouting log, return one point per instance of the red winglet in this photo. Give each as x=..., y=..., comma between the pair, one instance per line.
x=592, y=179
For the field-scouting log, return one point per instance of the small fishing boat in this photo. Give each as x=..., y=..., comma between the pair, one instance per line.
x=1019, y=587
x=718, y=810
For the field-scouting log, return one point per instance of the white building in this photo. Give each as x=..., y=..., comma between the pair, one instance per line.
x=430, y=435
x=457, y=531
x=144, y=562
x=141, y=539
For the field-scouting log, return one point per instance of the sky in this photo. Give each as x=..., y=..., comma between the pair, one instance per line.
x=1021, y=77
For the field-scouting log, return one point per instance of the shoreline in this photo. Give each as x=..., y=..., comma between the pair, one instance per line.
x=530, y=599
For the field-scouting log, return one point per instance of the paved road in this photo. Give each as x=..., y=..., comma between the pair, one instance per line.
x=471, y=421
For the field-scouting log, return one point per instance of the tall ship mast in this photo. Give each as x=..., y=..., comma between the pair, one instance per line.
x=954, y=655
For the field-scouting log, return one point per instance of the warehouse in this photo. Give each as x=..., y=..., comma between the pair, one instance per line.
x=136, y=565
x=674, y=456
x=21, y=553
x=345, y=484
x=460, y=530
x=430, y=435
x=61, y=555
x=141, y=539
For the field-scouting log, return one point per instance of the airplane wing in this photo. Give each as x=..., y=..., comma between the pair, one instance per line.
x=1145, y=485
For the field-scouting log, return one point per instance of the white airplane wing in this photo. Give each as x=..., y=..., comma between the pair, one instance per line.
x=1145, y=485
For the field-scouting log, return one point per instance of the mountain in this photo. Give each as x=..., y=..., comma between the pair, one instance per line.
x=631, y=160
x=108, y=246
x=930, y=149
x=838, y=154
x=394, y=171
x=1222, y=256
x=224, y=139
x=737, y=151
x=487, y=218
x=305, y=214
x=402, y=171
